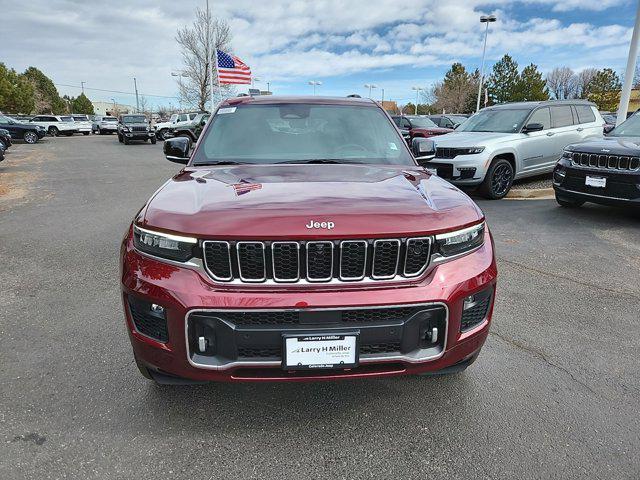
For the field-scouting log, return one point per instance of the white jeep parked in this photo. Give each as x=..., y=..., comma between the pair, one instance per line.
x=56, y=125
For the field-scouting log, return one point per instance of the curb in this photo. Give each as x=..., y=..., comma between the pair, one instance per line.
x=534, y=194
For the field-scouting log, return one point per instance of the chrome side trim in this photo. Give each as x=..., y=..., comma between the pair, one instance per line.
x=273, y=262
x=408, y=358
x=426, y=265
x=204, y=260
x=373, y=262
x=264, y=263
x=317, y=280
x=364, y=266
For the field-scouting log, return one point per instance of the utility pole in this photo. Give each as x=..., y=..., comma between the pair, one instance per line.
x=628, y=76
x=135, y=86
x=82, y=85
x=382, y=98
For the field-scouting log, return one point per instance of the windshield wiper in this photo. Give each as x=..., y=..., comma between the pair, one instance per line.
x=221, y=162
x=320, y=161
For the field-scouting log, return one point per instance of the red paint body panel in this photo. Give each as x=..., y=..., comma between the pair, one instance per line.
x=429, y=132
x=202, y=202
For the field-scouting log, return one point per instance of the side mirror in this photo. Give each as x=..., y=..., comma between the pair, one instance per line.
x=177, y=149
x=608, y=129
x=533, y=127
x=423, y=148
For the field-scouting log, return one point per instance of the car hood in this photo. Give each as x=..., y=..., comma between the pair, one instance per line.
x=278, y=201
x=432, y=130
x=473, y=139
x=610, y=145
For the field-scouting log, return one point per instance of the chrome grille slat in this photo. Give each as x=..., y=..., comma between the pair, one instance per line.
x=326, y=261
x=606, y=162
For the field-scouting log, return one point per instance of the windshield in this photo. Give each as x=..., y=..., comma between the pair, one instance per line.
x=134, y=119
x=628, y=128
x=109, y=119
x=503, y=120
x=4, y=119
x=299, y=133
x=422, y=122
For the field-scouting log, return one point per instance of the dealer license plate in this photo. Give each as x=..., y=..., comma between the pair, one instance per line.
x=599, y=182
x=320, y=351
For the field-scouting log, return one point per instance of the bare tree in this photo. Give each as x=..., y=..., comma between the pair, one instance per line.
x=143, y=105
x=562, y=82
x=194, y=86
x=583, y=80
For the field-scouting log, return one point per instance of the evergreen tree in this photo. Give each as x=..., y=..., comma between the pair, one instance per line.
x=503, y=81
x=456, y=93
x=604, y=89
x=531, y=85
x=16, y=94
x=46, y=97
x=81, y=104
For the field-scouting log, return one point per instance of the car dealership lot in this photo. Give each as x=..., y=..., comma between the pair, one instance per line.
x=555, y=392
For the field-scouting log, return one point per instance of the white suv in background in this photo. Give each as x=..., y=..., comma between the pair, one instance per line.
x=55, y=125
x=82, y=123
x=163, y=127
x=506, y=142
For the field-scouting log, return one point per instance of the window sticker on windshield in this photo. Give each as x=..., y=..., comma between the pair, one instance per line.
x=393, y=146
x=226, y=110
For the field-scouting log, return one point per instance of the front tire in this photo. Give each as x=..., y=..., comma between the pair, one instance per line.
x=153, y=140
x=120, y=138
x=568, y=202
x=86, y=133
x=160, y=133
x=498, y=180
x=30, y=137
x=125, y=140
x=53, y=131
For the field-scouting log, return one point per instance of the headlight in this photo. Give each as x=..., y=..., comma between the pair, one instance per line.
x=148, y=129
x=460, y=241
x=125, y=129
x=474, y=150
x=567, y=154
x=165, y=245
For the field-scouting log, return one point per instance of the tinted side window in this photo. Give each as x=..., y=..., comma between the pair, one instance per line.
x=396, y=120
x=437, y=121
x=446, y=123
x=406, y=123
x=585, y=114
x=542, y=116
x=561, y=116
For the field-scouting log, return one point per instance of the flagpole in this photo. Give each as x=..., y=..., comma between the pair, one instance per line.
x=213, y=58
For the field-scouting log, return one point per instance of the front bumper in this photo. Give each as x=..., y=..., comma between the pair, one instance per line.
x=463, y=170
x=622, y=187
x=249, y=351
x=139, y=135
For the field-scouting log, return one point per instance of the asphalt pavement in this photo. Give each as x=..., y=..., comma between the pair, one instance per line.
x=555, y=392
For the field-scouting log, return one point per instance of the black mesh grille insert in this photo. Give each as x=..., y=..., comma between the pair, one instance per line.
x=251, y=261
x=385, y=258
x=282, y=317
x=417, y=256
x=319, y=260
x=476, y=314
x=286, y=261
x=147, y=322
x=217, y=258
x=393, y=347
x=353, y=259
x=378, y=314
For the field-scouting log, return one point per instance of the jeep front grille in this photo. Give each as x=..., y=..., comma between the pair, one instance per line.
x=316, y=261
x=608, y=162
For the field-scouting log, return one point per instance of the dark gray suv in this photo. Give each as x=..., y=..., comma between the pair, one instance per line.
x=135, y=127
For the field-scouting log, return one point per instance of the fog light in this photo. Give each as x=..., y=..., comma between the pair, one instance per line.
x=155, y=308
x=475, y=309
x=466, y=172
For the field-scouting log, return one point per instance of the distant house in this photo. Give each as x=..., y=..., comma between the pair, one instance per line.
x=111, y=108
x=390, y=107
x=634, y=101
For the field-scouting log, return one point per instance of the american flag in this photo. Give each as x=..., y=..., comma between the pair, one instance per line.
x=232, y=70
x=245, y=187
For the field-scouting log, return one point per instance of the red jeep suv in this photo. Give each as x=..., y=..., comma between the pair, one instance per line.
x=302, y=241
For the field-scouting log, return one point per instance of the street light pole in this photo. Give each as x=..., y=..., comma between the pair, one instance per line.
x=114, y=106
x=370, y=86
x=623, y=108
x=418, y=90
x=314, y=83
x=484, y=19
x=135, y=86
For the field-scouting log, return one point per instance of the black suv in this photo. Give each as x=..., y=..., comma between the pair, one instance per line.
x=5, y=138
x=605, y=171
x=134, y=127
x=22, y=131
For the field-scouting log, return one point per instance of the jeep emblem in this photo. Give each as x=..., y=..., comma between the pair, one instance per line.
x=326, y=225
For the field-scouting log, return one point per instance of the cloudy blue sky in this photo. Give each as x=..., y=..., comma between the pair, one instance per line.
x=343, y=43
